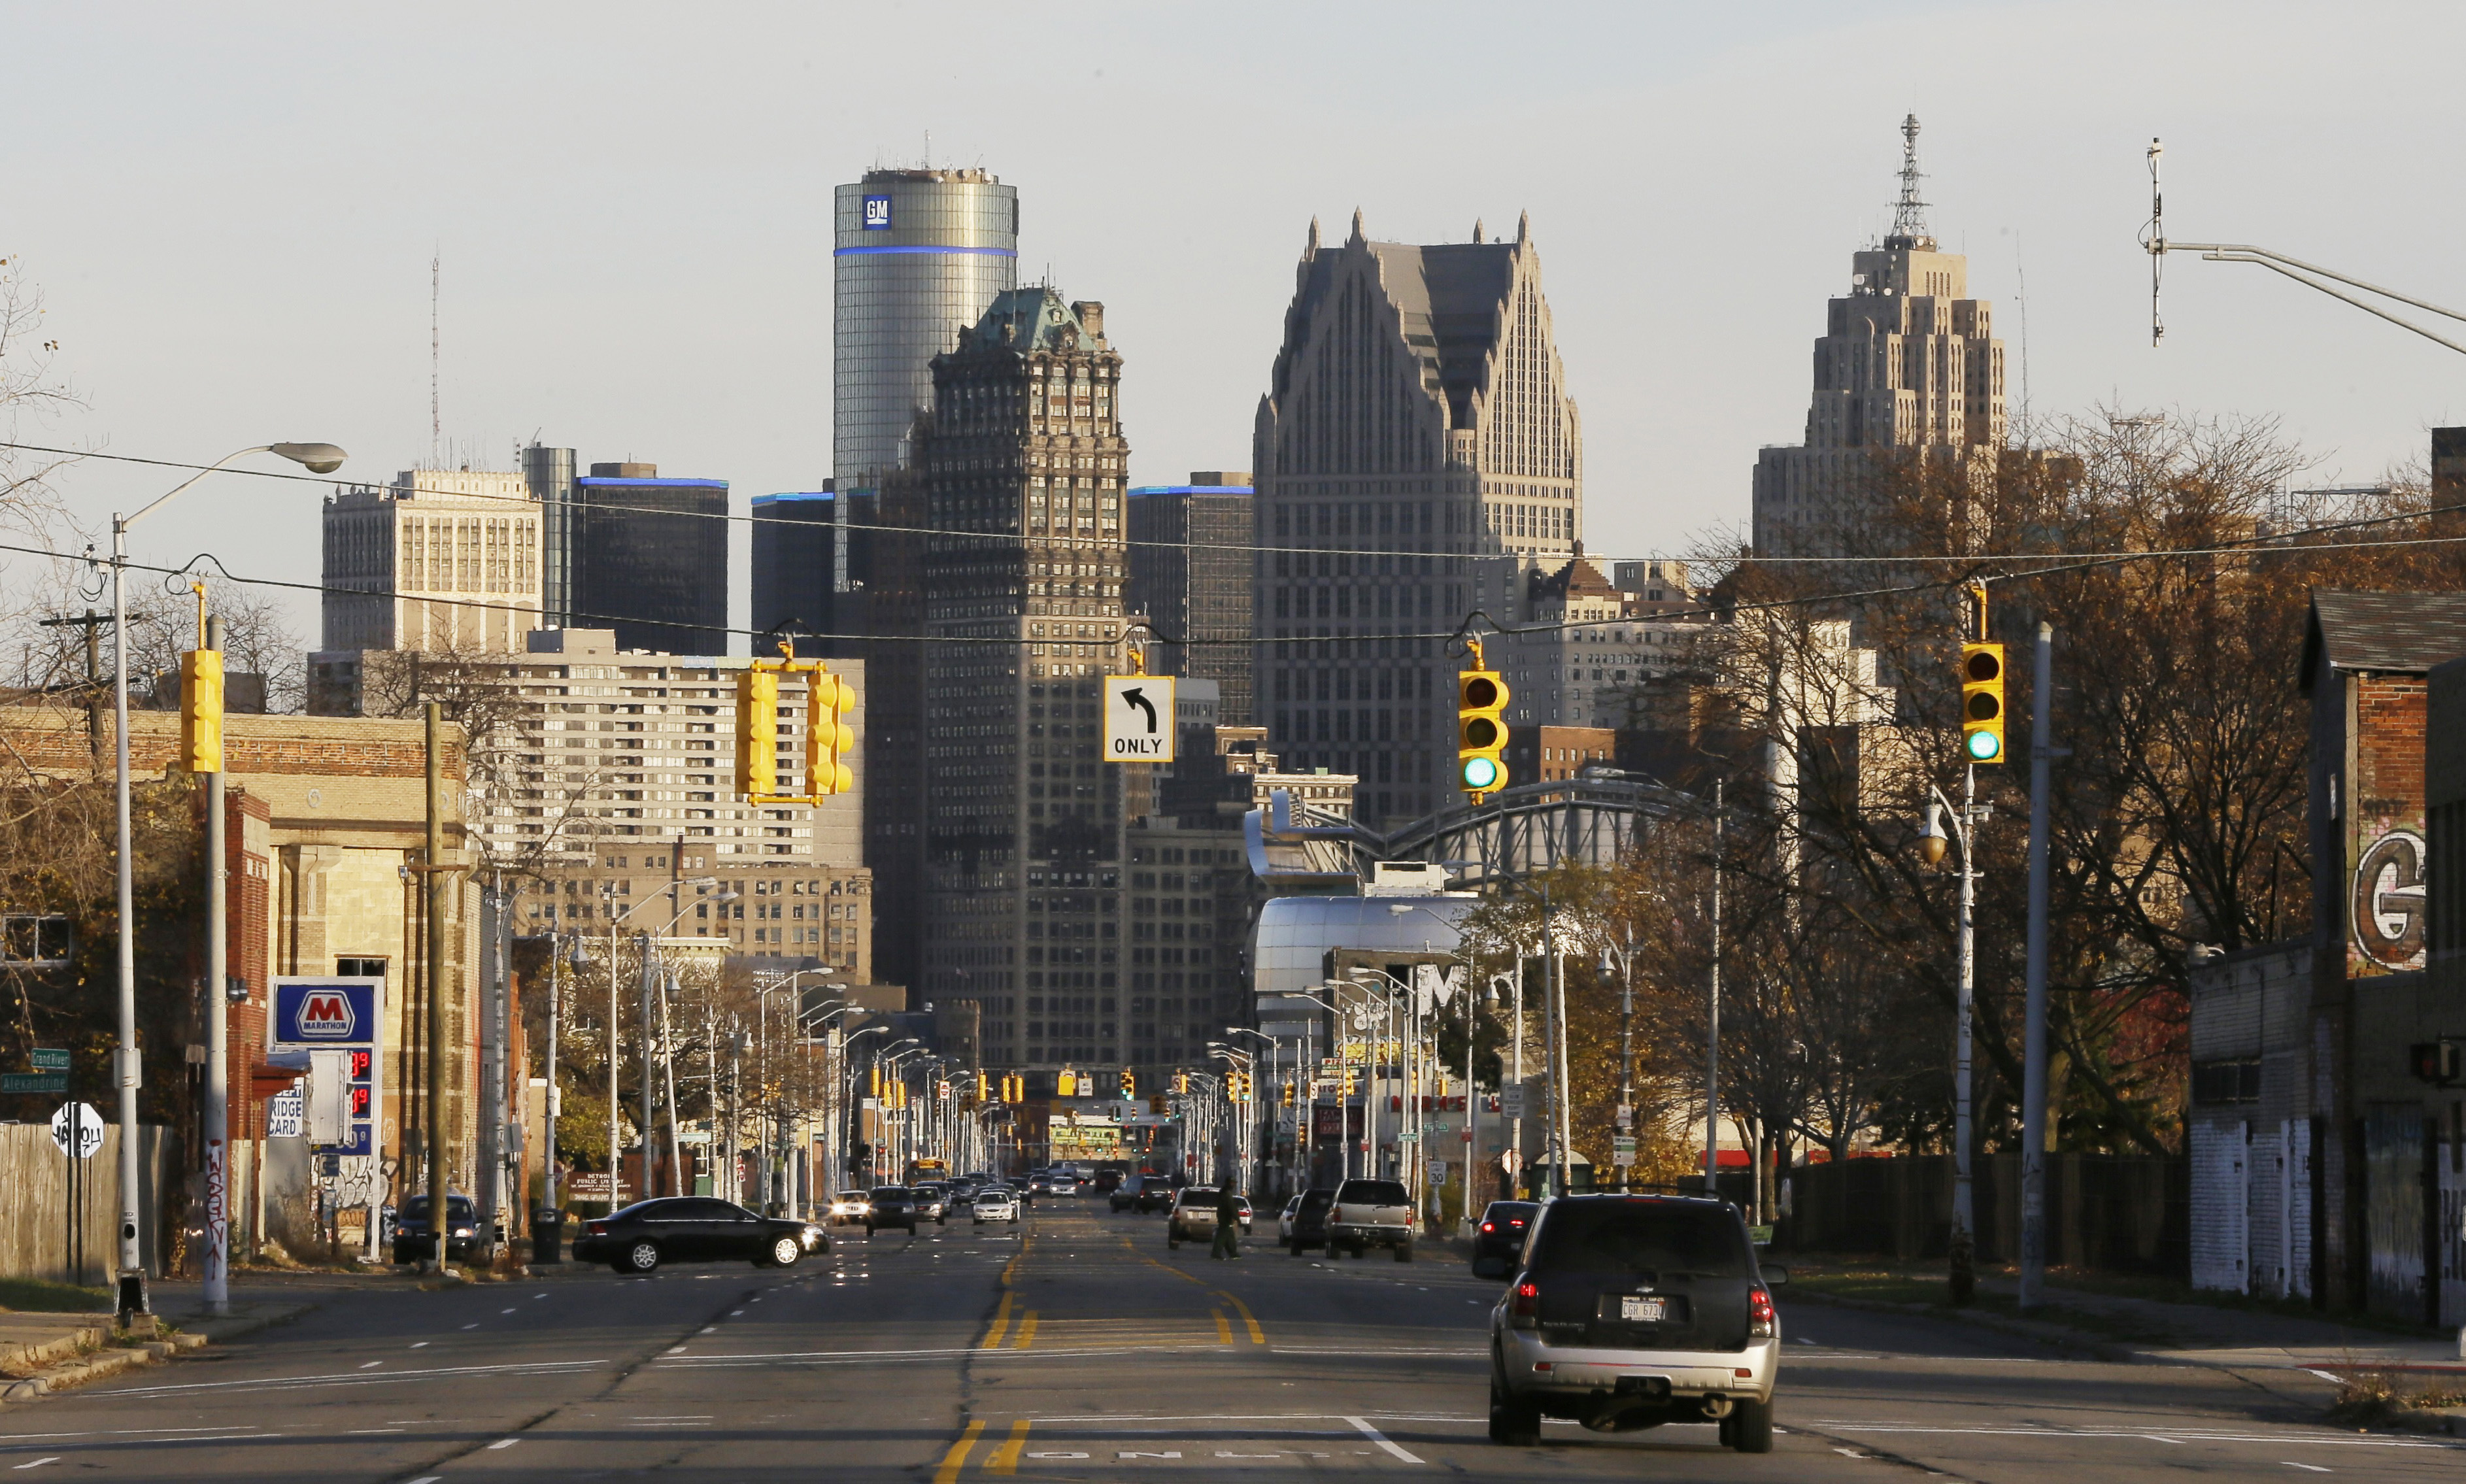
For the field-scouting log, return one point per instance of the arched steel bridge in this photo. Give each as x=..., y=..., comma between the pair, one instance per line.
x=1593, y=820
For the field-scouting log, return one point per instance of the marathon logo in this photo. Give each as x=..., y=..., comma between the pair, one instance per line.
x=326, y=1015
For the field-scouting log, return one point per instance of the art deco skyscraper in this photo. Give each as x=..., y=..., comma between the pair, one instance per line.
x=1018, y=588
x=1416, y=456
x=1908, y=362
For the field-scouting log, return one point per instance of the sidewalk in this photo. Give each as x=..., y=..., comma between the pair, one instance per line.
x=2135, y=1328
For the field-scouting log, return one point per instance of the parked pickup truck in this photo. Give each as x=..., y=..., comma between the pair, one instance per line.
x=1371, y=1213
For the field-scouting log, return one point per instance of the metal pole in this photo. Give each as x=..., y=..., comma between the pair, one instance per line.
x=1713, y=1023
x=668, y=1074
x=1515, y=1125
x=2034, y=1057
x=439, y=1224
x=217, y=1130
x=124, y=1057
x=615, y=1165
x=1626, y=1053
x=643, y=955
x=1962, y=1255
x=555, y=972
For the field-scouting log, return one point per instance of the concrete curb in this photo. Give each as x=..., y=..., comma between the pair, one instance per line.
x=104, y=1363
x=44, y=1353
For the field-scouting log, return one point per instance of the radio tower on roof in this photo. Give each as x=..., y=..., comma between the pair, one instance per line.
x=1909, y=213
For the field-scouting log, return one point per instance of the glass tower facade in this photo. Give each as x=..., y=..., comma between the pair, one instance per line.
x=919, y=257
x=549, y=473
x=651, y=559
x=1191, y=575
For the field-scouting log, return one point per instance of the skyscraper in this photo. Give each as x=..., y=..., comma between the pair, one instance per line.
x=793, y=547
x=1416, y=454
x=549, y=472
x=440, y=559
x=1021, y=844
x=1190, y=575
x=651, y=558
x=1908, y=363
x=919, y=257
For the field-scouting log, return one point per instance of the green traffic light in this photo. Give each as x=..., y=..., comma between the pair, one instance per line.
x=1984, y=746
x=1481, y=772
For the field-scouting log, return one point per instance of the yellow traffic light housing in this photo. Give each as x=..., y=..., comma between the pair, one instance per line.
x=1130, y=1083
x=1982, y=703
x=201, y=710
x=1481, y=729
x=1066, y=1084
x=1289, y=1091
x=757, y=731
x=830, y=741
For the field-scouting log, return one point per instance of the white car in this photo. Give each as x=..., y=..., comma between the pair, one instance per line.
x=997, y=1204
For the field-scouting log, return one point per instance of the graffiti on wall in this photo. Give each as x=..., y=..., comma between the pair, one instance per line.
x=2386, y=904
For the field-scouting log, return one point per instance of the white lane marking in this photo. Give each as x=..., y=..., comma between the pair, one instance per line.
x=356, y=1378
x=2326, y=1375
x=365, y=1431
x=470, y=1326
x=2310, y=1466
x=1381, y=1438
x=117, y=1432
x=420, y=1345
x=2194, y=1434
x=372, y=1365
x=502, y=1442
x=537, y=1295
x=428, y=1478
x=39, y=1462
x=676, y=1417
x=504, y=1311
x=2155, y=1438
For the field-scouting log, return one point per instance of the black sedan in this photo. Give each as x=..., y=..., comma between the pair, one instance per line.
x=1498, y=1241
x=695, y=1228
x=893, y=1205
x=414, y=1242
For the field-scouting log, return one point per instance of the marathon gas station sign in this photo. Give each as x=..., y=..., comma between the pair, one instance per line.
x=340, y=1017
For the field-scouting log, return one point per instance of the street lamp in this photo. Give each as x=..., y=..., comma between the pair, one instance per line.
x=320, y=459
x=1932, y=842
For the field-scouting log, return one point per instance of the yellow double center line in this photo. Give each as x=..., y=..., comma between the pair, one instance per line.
x=957, y=1457
x=1000, y=1325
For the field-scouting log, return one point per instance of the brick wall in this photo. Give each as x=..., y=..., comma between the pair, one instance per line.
x=53, y=739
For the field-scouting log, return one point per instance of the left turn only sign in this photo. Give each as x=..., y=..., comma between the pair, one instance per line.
x=1138, y=718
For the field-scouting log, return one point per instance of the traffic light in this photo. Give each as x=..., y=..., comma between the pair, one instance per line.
x=1130, y=1083
x=829, y=740
x=1156, y=1103
x=757, y=731
x=1182, y=1082
x=1015, y=1088
x=1066, y=1084
x=1289, y=1091
x=201, y=710
x=875, y=1083
x=1351, y=1080
x=1481, y=729
x=984, y=1094
x=1240, y=1086
x=1982, y=703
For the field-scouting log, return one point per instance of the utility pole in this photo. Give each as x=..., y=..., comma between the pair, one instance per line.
x=2034, y=1058
x=439, y=1224
x=218, y=1111
x=1712, y=1021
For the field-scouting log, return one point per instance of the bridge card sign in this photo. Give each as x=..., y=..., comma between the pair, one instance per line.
x=338, y=1013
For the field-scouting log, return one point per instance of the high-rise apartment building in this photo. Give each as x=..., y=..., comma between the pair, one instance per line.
x=1018, y=588
x=1190, y=578
x=651, y=558
x=919, y=256
x=548, y=474
x=440, y=559
x=1416, y=454
x=1908, y=365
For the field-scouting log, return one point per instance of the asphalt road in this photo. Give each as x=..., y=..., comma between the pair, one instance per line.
x=1079, y=1347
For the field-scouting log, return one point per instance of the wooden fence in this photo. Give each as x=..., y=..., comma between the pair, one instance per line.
x=38, y=1238
x=2115, y=1213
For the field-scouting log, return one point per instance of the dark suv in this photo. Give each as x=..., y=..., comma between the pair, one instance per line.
x=1498, y=1241
x=1633, y=1310
x=893, y=1205
x=1307, y=1223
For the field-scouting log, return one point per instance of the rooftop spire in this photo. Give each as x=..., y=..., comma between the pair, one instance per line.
x=1909, y=213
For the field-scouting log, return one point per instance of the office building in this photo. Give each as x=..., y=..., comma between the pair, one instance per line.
x=795, y=545
x=1018, y=588
x=440, y=559
x=1586, y=648
x=1417, y=443
x=651, y=558
x=919, y=256
x=548, y=475
x=1908, y=367
x=1190, y=577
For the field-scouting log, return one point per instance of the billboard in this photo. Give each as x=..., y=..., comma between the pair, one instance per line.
x=342, y=1014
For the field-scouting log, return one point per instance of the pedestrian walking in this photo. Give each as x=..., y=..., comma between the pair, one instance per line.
x=1228, y=1223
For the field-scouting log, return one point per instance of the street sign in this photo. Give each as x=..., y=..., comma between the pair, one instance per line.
x=34, y=1082
x=89, y=1129
x=285, y=1113
x=1138, y=718
x=1512, y=1161
x=1437, y=1172
x=51, y=1059
x=1623, y=1149
x=587, y=1185
x=1510, y=1100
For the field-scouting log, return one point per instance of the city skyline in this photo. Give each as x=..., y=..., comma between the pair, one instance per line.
x=314, y=310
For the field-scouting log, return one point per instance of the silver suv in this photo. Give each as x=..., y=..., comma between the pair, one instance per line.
x=1629, y=1311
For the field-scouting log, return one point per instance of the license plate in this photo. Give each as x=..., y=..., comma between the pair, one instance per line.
x=1636, y=1309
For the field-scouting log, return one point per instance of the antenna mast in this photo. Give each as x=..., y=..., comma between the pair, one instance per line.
x=2154, y=238
x=1909, y=213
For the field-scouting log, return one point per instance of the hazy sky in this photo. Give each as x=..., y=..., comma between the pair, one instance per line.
x=231, y=210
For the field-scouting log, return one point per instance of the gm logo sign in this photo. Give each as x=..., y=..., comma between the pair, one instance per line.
x=326, y=1015
x=877, y=213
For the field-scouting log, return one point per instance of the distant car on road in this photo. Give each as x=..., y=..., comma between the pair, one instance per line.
x=932, y=1204
x=892, y=1205
x=413, y=1241
x=1633, y=1310
x=1303, y=1225
x=1370, y=1213
x=1193, y=1215
x=995, y=1204
x=1142, y=1193
x=1498, y=1241
x=849, y=1209
x=1108, y=1181
x=695, y=1228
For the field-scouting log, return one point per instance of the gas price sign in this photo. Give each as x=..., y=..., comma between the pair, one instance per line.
x=330, y=1013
